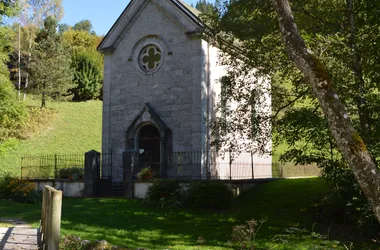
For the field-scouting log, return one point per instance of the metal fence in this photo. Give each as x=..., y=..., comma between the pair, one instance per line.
x=193, y=165
x=52, y=166
x=215, y=165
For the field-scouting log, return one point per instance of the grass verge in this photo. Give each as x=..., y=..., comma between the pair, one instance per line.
x=129, y=223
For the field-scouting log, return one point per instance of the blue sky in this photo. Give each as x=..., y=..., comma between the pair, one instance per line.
x=101, y=13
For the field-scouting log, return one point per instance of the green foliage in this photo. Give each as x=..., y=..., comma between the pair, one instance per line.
x=209, y=195
x=79, y=39
x=87, y=64
x=51, y=72
x=345, y=203
x=84, y=25
x=88, y=75
x=5, y=180
x=245, y=235
x=12, y=112
x=205, y=7
x=18, y=190
x=8, y=8
x=347, y=47
x=164, y=193
x=145, y=174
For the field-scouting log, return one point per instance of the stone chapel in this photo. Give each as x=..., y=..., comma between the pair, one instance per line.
x=160, y=86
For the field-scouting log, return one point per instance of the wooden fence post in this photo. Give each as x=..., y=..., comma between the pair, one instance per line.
x=51, y=218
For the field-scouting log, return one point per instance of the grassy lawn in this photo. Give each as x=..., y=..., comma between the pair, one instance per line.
x=76, y=129
x=129, y=223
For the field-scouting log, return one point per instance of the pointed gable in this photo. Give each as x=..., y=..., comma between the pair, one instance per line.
x=185, y=16
x=147, y=115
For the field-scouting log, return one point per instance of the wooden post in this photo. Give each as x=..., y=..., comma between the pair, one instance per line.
x=51, y=218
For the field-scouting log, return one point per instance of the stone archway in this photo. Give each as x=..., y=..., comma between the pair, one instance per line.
x=150, y=138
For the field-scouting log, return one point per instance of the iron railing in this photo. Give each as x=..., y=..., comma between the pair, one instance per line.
x=52, y=166
x=190, y=165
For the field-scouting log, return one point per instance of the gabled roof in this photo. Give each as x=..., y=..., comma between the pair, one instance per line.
x=191, y=22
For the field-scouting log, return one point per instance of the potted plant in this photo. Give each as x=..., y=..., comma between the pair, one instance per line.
x=145, y=174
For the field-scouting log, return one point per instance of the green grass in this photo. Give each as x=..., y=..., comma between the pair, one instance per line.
x=76, y=129
x=129, y=223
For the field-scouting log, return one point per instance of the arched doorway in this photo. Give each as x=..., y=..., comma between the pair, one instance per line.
x=149, y=148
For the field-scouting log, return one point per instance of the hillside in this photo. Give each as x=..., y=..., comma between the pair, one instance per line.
x=76, y=128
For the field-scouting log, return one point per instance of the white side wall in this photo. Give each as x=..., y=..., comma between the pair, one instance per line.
x=243, y=164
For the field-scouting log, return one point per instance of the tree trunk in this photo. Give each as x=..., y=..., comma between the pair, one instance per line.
x=43, y=97
x=28, y=67
x=348, y=140
x=19, y=62
x=356, y=67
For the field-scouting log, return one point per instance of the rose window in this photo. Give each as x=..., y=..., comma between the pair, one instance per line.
x=150, y=58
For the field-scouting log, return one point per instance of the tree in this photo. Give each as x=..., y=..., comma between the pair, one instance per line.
x=84, y=25
x=51, y=72
x=205, y=7
x=12, y=112
x=88, y=75
x=87, y=64
x=29, y=20
x=63, y=27
x=347, y=138
x=253, y=23
x=80, y=39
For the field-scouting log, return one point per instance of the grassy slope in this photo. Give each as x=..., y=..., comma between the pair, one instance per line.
x=129, y=223
x=76, y=129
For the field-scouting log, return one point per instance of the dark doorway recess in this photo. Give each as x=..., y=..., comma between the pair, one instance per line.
x=149, y=148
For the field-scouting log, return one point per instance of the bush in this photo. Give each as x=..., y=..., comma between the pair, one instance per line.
x=209, y=195
x=18, y=190
x=12, y=112
x=164, y=193
x=5, y=189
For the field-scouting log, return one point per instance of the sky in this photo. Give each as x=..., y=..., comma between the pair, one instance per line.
x=102, y=13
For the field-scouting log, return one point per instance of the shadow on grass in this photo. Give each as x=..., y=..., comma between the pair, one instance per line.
x=129, y=223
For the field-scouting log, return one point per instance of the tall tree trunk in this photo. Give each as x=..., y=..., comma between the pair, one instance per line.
x=19, y=62
x=356, y=67
x=348, y=140
x=43, y=96
x=28, y=67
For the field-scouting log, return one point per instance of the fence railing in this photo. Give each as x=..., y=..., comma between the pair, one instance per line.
x=192, y=165
x=50, y=218
x=51, y=166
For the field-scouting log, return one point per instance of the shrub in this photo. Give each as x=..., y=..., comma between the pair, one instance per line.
x=5, y=189
x=209, y=194
x=12, y=112
x=73, y=173
x=164, y=193
x=18, y=190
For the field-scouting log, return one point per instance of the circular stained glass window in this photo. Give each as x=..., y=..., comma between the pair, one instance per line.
x=150, y=58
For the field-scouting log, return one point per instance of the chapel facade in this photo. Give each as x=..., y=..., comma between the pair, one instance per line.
x=160, y=86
